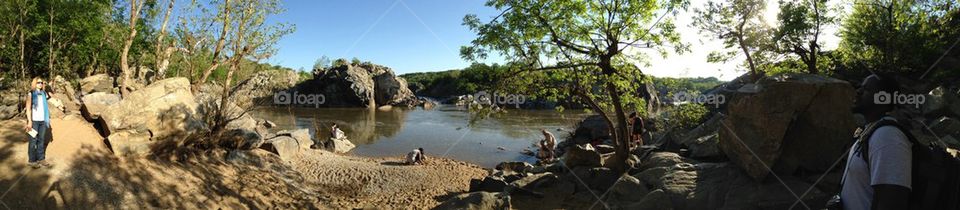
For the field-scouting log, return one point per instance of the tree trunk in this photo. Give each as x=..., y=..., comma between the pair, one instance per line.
x=50, y=42
x=746, y=52
x=220, y=43
x=124, y=66
x=620, y=133
x=163, y=55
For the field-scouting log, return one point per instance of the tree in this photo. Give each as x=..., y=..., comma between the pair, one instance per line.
x=322, y=63
x=902, y=36
x=567, y=47
x=135, y=7
x=738, y=23
x=801, y=24
x=163, y=50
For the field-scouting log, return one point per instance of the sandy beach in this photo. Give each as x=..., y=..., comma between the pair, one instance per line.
x=86, y=175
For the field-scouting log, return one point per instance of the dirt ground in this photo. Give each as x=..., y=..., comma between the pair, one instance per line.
x=85, y=175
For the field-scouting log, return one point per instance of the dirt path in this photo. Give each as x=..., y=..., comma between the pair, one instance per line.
x=86, y=175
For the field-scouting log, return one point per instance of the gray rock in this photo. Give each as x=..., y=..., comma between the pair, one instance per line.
x=301, y=135
x=477, y=201
x=284, y=146
x=657, y=199
x=488, y=184
x=95, y=104
x=795, y=122
x=165, y=109
x=96, y=83
x=582, y=155
x=945, y=126
x=518, y=167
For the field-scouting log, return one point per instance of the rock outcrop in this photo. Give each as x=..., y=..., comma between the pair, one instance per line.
x=94, y=104
x=477, y=201
x=156, y=112
x=365, y=85
x=261, y=86
x=96, y=83
x=794, y=122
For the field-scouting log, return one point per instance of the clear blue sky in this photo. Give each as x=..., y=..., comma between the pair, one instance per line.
x=350, y=28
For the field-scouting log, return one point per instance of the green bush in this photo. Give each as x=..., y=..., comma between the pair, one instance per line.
x=687, y=116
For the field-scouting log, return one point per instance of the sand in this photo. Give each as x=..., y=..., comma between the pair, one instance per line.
x=86, y=175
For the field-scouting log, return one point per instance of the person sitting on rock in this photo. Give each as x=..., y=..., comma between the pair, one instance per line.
x=883, y=182
x=335, y=132
x=415, y=157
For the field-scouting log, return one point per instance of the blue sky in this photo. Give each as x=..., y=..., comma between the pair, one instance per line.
x=426, y=35
x=387, y=32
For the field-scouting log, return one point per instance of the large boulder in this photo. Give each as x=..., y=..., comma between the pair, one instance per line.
x=163, y=109
x=301, y=135
x=590, y=128
x=62, y=86
x=477, y=201
x=10, y=101
x=341, y=145
x=792, y=122
x=284, y=146
x=363, y=85
x=488, y=184
x=95, y=104
x=392, y=90
x=96, y=83
x=261, y=86
x=582, y=155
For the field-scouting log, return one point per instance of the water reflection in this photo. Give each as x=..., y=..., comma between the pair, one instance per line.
x=444, y=130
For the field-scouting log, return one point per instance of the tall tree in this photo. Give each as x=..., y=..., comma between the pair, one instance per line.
x=576, y=46
x=135, y=7
x=801, y=24
x=164, y=50
x=739, y=24
x=223, y=17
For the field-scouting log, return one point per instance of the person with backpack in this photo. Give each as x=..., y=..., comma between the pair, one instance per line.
x=38, y=122
x=887, y=168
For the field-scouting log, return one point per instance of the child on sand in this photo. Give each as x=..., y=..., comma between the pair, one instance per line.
x=415, y=157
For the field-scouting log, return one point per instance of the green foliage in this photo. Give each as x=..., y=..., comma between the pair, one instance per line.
x=686, y=116
x=801, y=25
x=477, y=77
x=667, y=86
x=901, y=36
x=739, y=25
x=355, y=61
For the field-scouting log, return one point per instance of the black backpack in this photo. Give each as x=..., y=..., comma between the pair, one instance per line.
x=936, y=173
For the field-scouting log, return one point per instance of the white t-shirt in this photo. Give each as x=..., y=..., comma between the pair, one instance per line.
x=890, y=163
x=37, y=112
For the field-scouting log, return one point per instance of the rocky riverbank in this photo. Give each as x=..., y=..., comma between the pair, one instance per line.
x=779, y=143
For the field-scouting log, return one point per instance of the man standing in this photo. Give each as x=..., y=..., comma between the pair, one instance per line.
x=878, y=173
x=637, y=129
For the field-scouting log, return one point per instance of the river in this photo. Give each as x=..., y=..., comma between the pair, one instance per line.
x=445, y=130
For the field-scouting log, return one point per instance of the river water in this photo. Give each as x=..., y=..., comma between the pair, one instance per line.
x=445, y=130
